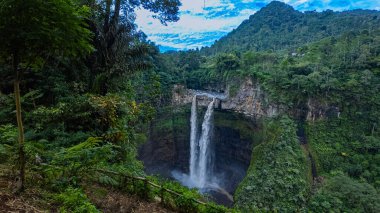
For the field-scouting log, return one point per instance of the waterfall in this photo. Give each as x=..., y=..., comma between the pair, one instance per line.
x=200, y=151
x=204, y=147
x=193, y=138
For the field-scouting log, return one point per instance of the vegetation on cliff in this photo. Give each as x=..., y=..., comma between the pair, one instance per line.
x=277, y=179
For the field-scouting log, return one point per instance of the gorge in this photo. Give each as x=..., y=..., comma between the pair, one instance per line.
x=202, y=146
x=204, y=140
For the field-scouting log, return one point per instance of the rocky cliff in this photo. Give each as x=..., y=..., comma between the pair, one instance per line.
x=249, y=99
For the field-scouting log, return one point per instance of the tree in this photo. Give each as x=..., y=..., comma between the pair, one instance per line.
x=344, y=194
x=31, y=31
x=119, y=47
x=227, y=62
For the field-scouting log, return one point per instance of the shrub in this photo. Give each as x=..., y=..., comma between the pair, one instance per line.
x=74, y=200
x=343, y=194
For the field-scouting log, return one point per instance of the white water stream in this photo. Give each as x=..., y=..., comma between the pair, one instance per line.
x=201, y=172
x=193, y=139
x=200, y=150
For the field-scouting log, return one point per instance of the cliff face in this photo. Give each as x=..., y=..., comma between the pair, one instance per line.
x=249, y=99
x=319, y=110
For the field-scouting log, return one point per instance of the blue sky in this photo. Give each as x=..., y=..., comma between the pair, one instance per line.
x=204, y=21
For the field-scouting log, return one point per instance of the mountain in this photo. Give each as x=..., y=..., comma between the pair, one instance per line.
x=279, y=26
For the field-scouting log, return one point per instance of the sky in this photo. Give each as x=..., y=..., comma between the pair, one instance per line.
x=204, y=21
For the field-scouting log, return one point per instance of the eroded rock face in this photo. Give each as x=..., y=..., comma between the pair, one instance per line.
x=182, y=96
x=319, y=110
x=249, y=100
x=159, y=154
x=168, y=145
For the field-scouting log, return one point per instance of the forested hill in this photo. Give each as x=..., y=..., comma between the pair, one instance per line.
x=278, y=26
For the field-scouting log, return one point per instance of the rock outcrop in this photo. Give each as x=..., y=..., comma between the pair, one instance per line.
x=320, y=110
x=249, y=99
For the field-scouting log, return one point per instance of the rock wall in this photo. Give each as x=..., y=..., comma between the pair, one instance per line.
x=168, y=145
x=249, y=99
x=320, y=110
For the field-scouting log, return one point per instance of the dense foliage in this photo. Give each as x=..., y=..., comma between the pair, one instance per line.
x=345, y=145
x=345, y=194
x=277, y=179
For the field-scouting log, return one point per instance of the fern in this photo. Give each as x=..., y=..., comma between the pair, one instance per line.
x=32, y=95
x=107, y=180
x=74, y=200
x=8, y=137
x=8, y=134
x=89, y=143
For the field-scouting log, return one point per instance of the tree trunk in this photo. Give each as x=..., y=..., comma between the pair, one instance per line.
x=116, y=13
x=107, y=16
x=20, y=184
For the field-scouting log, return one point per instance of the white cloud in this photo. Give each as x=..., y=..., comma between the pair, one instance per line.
x=298, y=2
x=190, y=24
x=198, y=6
x=194, y=23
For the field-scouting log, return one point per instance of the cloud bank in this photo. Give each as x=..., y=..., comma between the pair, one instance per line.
x=204, y=21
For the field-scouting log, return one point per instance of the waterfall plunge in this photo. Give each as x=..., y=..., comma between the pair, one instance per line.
x=201, y=173
x=193, y=139
x=200, y=153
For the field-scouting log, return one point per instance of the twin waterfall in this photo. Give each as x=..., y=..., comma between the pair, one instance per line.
x=202, y=174
x=200, y=150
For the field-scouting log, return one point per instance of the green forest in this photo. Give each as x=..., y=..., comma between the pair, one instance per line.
x=82, y=88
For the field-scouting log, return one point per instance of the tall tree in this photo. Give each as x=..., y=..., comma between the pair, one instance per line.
x=31, y=31
x=118, y=43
